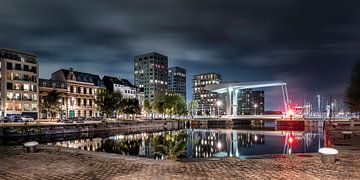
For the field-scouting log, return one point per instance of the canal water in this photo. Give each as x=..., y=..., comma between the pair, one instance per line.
x=243, y=143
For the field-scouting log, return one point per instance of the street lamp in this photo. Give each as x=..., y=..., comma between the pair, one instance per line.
x=218, y=104
x=255, y=106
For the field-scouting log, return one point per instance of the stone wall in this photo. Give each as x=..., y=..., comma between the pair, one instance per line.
x=35, y=130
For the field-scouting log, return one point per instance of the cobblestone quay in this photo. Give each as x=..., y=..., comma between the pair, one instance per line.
x=62, y=163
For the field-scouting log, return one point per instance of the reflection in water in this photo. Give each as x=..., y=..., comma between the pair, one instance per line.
x=203, y=143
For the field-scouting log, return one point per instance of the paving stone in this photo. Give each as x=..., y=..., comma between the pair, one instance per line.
x=63, y=163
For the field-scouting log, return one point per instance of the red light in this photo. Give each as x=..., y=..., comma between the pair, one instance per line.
x=291, y=140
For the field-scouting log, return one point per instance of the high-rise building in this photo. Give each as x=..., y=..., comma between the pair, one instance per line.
x=206, y=99
x=19, y=83
x=177, y=81
x=151, y=74
x=251, y=102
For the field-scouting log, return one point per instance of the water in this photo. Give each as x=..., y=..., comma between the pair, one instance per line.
x=203, y=143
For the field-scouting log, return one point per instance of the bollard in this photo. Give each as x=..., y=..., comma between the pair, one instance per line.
x=30, y=147
x=328, y=155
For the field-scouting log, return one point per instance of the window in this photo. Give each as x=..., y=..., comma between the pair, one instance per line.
x=35, y=97
x=18, y=107
x=9, y=86
x=78, y=90
x=17, y=66
x=34, y=107
x=26, y=77
x=26, y=97
x=90, y=102
x=71, y=89
x=9, y=106
x=18, y=86
x=26, y=107
x=26, y=67
x=33, y=69
x=84, y=90
x=9, y=76
x=17, y=96
x=84, y=102
x=9, y=96
x=26, y=87
x=78, y=101
x=9, y=66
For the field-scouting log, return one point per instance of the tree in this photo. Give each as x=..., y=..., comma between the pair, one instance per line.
x=159, y=103
x=353, y=91
x=131, y=106
x=170, y=104
x=193, y=105
x=180, y=106
x=147, y=106
x=108, y=103
x=50, y=103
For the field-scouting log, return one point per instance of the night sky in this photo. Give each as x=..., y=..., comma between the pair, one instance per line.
x=312, y=45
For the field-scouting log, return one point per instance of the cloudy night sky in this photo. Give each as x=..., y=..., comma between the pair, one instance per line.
x=312, y=45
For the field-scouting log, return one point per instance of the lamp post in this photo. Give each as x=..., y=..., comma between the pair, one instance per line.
x=218, y=104
x=255, y=106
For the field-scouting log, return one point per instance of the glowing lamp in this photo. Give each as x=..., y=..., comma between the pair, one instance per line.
x=291, y=112
x=291, y=140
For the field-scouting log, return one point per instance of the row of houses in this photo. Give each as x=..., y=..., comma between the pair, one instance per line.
x=22, y=90
x=79, y=91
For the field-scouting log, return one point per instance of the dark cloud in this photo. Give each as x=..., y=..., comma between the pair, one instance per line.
x=310, y=44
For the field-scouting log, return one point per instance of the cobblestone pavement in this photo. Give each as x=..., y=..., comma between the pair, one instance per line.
x=62, y=163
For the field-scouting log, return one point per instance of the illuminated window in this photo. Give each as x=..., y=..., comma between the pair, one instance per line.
x=9, y=96
x=18, y=106
x=34, y=107
x=26, y=87
x=26, y=107
x=9, y=106
x=26, y=97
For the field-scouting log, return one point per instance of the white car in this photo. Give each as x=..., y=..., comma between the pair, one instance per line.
x=27, y=119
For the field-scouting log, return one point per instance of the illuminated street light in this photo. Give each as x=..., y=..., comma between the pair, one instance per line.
x=255, y=106
x=219, y=145
x=218, y=104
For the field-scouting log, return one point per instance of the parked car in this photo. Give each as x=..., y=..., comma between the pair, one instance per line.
x=27, y=119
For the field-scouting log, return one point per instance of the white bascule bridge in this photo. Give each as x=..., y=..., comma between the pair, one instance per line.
x=233, y=89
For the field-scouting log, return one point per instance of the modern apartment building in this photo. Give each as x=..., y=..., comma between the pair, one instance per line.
x=19, y=83
x=81, y=91
x=45, y=87
x=251, y=102
x=177, y=81
x=151, y=74
x=206, y=99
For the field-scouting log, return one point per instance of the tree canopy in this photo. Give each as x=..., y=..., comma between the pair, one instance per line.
x=193, y=105
x=171, y=104
x=131, y=106
x=353, y=90
x=108, y=103
x=50, y=103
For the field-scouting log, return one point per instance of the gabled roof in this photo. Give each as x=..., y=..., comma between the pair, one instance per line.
x=114, y=80
x=84, y=77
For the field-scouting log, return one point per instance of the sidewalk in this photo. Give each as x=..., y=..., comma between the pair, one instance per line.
x=62, y=163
